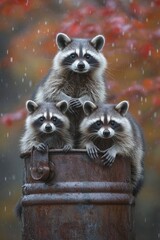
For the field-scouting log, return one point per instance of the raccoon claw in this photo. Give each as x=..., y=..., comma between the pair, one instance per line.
x=75, y=103
x=41, y=147
x=92, y=152
x=107, y=159
x=67, y=147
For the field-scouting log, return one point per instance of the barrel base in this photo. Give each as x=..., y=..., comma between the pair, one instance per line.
x=78, y=222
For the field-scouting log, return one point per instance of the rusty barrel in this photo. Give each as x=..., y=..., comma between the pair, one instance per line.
x=71, y=197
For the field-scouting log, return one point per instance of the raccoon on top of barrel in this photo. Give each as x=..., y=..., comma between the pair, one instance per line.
x=77, y=73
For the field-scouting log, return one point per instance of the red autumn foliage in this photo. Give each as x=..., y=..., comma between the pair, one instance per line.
x=9, y=118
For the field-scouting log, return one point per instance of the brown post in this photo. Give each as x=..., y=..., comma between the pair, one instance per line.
x=71, y=197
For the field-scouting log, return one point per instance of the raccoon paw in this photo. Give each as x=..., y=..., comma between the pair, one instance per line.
x=92, y=152
x=67, y=147
x=41, y=147
x=75, y=103
x=107, y=159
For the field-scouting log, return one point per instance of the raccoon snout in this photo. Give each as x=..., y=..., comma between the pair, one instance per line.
x=106, y=133
x=48, y=128
x=81, y=66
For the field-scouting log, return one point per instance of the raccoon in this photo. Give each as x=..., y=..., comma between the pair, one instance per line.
x=77, y=73
x=111, y=130
x=46, y=125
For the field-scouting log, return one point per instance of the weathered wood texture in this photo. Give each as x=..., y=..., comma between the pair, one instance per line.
x=70, y=197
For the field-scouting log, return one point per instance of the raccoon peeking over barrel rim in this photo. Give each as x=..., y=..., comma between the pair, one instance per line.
x=109, y=130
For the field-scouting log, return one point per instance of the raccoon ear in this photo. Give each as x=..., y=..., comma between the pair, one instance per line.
x=122, y=107
x=31, y=106
x=98, y=42
x=62, y=106
x=62, y=40
x=89, y=107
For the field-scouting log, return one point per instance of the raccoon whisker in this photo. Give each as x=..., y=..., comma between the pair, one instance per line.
x=93, y=136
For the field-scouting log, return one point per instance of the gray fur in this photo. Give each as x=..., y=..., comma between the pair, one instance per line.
x=128, y=141
x=35, y=137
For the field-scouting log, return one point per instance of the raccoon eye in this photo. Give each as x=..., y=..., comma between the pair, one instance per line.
x=99, y=123
x=87, y=56
x=73, y=55
x=112, y=123
x=41, y=119
x=54, y=119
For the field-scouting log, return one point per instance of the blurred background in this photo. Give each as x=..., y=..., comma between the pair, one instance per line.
x=27, y=46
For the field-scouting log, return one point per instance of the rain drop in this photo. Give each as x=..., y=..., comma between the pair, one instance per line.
x=13, y=177
x=131, y=46
x=142, y=71
x=30, y=83
x=149, y=53
x=155, y=114
x=11, y=59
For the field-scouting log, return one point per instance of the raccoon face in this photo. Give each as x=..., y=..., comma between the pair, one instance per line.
x=106, y=129
x=106, y=121
x=102, y=128
x=47, y=123
x=79, y=55
x=46, y=118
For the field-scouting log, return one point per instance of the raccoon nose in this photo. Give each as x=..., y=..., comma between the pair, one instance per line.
x=106, y=133
x=81, y=65
x=48, y=128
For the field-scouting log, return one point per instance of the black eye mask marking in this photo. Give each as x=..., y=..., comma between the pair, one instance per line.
x=96, y=126
x=116, y=126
